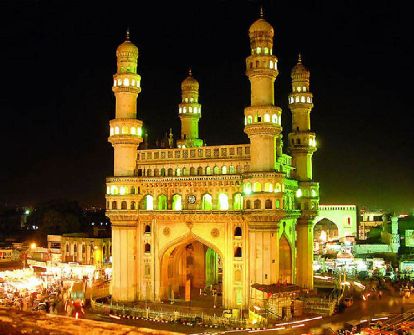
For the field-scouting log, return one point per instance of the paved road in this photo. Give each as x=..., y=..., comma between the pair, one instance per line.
x=358, y=311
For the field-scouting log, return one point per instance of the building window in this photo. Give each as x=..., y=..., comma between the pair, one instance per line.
x=170, y=172
x=132, y=190
x=223, y=202
x=277, y=203
x=123, y=205
x=257, y=204
x=162, y=202
x=266, y=118
x=238, y=231
x=147, y=228
x=268, y=187
x=238, y=252
x=192, y=171
x=200, y=171
x=147, y=248
x=114, y=205
x=177, y=203
x=268, y=204
x=133, y=205
x=247, y=188
x=148, y=202
x=237, y=202
x=206, y=202
x=248, y=205
x=257, y=187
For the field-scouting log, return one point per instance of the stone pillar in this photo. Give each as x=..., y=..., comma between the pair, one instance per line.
x=304, y=260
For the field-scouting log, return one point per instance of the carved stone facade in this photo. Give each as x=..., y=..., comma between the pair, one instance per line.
x=210, y=216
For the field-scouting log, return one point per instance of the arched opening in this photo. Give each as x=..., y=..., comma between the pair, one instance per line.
x=285, y=260
x=147, y=228
x=133, y=205
x=237, y=202
x=162, y=202
x=177, y=202
x=188, y=269
x=216, y=170
x=238, y=231
x=114, y=206
x=147, y=248
x=257, y=187
x=199, y=171
x=192, y=171
x=238, y=252
x=123, y=205
x=248, y=204
x=324, y=231
x=170, y=172
x=268, y=204
x=147, y=203
x=207, y=202
x=223, y=202
x=257, y=204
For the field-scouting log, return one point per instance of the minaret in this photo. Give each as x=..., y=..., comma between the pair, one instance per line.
x=302, y=145
x=125, y=129
x=302, y=141
x=190, y=113
x=262, y=117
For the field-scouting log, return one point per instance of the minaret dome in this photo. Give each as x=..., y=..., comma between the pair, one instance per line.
x=189, y=83
x=299, y=71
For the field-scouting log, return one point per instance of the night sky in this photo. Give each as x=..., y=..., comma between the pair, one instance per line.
x=58, y=58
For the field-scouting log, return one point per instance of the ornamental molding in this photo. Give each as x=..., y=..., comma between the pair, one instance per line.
x=126, y=89
x=262, y=128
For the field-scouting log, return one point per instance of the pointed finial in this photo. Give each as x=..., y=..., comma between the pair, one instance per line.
x=127, y=34
x=189, y=72
x=261, y=11
x=300, y=58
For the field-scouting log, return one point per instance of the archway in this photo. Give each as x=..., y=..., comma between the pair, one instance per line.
x=192, y=272
x=325, y=230
x=285, y=260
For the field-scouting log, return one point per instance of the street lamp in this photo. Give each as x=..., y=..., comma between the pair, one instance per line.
x=33, y=245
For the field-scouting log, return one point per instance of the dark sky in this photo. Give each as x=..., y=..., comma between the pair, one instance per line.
x=58, y=58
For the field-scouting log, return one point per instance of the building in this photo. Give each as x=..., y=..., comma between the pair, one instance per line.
x=370, y=219
x=191, y=216
x=335, y=222
x=83, y=249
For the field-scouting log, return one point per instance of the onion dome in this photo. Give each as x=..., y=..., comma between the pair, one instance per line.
x=189, y=83
x=127, y=48
x=261, y=27
x=299, y=71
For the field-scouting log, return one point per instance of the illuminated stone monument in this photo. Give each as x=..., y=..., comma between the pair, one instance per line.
x=212, y=217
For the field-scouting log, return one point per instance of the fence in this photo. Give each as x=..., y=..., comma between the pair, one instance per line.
x=134, y=312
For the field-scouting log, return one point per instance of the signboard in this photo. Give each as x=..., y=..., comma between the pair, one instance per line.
x=409, y=238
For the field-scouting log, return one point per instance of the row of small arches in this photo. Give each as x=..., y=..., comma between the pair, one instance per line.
x=264, y=64
x=299, y=89
x=190, y=100
x=126, y=82
x=192, y=171
x=311, y=142
x=125, y=131
x=191, y=110
x=266, y=118
x=301, y=99
x=222, y=203
x=248, y=187
x=258, y=51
